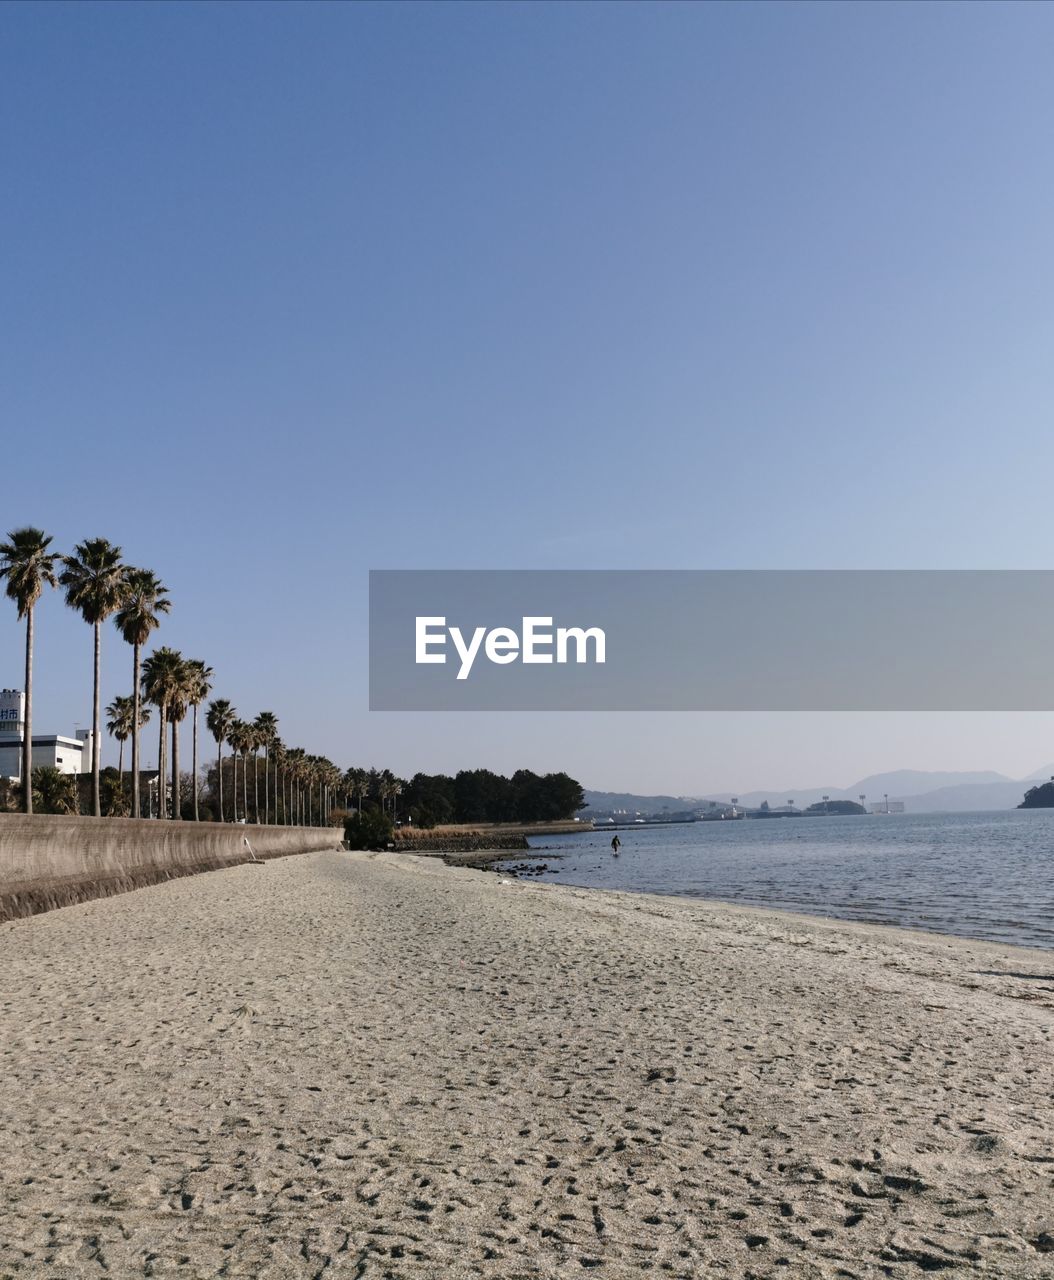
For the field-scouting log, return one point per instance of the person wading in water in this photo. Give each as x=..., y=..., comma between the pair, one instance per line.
x=616, y=845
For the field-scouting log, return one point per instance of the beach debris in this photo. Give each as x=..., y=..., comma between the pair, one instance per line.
x=243, y=1018
x=667, y=1074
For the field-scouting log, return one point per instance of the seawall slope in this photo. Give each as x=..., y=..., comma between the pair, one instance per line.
x=48, y=861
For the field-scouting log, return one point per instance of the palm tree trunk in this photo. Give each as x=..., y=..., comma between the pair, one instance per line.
x=96, y=727
x=194, y=763
x=256, y=787
x=136, y=813
x=177, y=807
x=234, y=784
x=162, y=790
x=219, y=772
x=245, y=788
x=120, y=769
x=267, y=785
x=27, y=726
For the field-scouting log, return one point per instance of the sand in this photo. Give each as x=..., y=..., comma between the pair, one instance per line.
x=379, y=1066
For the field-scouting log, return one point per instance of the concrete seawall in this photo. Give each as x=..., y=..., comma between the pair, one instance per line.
x=48, y=861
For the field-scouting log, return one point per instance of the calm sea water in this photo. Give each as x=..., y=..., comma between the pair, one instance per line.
x=979, y=875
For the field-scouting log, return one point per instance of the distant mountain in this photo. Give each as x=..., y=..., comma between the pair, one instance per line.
x=967, y=799
x=613, y=801
x=898, y=785
x=903, y=781
x=921, y=792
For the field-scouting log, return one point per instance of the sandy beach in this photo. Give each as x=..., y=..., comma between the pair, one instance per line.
x=379, y=1066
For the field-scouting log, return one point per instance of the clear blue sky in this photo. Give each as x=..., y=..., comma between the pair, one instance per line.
x=293, y=291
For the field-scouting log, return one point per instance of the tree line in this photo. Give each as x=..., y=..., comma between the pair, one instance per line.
x=288, y=785
x=478, y=795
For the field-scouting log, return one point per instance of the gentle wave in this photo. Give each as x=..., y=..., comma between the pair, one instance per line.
x=978, y=875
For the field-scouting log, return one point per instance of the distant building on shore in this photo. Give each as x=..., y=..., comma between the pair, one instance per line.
x=68, y=755
x=888, y=806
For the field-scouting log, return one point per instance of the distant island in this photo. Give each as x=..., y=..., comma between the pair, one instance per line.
x=1041, y=797
x=903, y=790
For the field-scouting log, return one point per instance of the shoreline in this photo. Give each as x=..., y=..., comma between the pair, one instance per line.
x=495, y=860
x=367, y=1062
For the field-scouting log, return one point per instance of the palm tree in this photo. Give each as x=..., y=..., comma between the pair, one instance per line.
x=277, y=753
x=199, y=682
x=28, y=567
x=240, y=738
x=386, y=788
x=266, y=726
x=162, y=675
x=311, y=777
x=53, y=790
x=95, y=585
x=297, y=762
x=145, y=598
x=359, y=786
x=119, y=727
x=333, y=781
x=219, y=718
x=233, y=740
x=255, y=743
x=178, y=702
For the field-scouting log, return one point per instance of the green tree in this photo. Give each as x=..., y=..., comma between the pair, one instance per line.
x=162, y=680
x=53, y=791
x=430, y=799
x=296, y=764
x=240, y=738
x=114, y=800
x=28, y=567
x=255, y=739
x=198, y=683
x=8, y=794
x=145, y=598
x=370, y=830
x=266, y=726
x=95, y=586
x=359, y=786
x=119, y=726
x=278, y=755
x=218, y=719
x=178, y=702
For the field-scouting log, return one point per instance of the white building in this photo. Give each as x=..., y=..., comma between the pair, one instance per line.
x=68, y=755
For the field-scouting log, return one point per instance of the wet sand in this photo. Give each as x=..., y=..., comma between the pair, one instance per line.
x=378, y=1066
